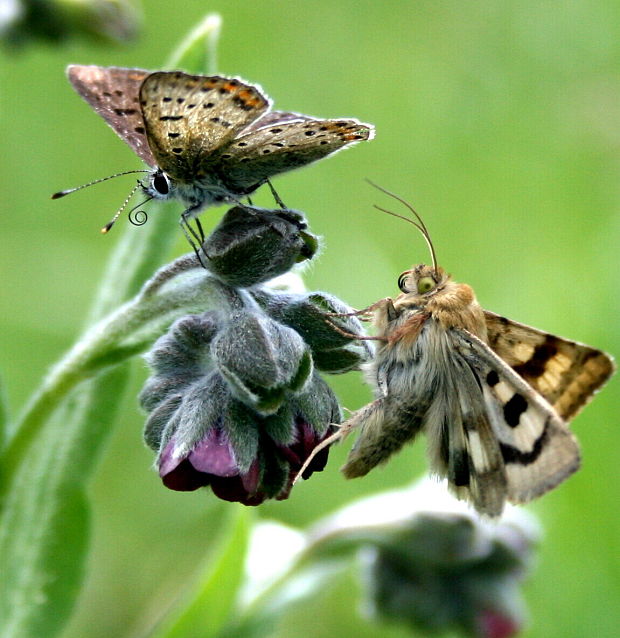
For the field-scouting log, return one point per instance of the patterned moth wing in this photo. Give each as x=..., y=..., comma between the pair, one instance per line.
x=566, y=373
x=537, y=448
x=113, y=93
x=188, y=117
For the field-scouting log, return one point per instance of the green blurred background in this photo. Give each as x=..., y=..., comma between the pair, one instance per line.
x=499, y=121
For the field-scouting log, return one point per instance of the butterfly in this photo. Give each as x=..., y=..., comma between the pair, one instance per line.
x=493, y=396
x=206, y=139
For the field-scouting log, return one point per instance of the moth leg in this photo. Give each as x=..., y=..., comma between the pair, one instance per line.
x=351, y=335
x=341, y=433
x=387, y=302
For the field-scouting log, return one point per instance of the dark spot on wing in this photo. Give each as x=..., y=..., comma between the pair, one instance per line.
x=492, y=378
x=535, y=365
x=459, y=469
x=173, y=135
x=514, y=408
x=511, y=454
x=170, y=118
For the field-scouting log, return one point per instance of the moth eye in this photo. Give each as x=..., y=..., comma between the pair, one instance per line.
x=425, y=284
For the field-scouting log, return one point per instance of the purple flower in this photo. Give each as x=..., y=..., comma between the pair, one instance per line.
x=212, y=462
x=235, y=406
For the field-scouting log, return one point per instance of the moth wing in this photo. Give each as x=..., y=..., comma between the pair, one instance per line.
x=462, y=443
x=566, y=373
x=113, y=93
x=188, y=117
x=537, y=448
x=282, y=145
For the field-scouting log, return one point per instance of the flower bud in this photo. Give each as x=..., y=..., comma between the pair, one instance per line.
x=333, y=340
x=262, y=360
x=234, y=404
x=251, y=245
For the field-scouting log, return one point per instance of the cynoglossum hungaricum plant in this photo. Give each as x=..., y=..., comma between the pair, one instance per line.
x=235, y=401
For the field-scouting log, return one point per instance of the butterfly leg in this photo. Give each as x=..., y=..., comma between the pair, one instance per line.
x=276, y=197
x=194, y=237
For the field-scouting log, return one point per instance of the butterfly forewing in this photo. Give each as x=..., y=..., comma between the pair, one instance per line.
x=187, y=117
x=566, y=373
x=283, y=145
x=113, y=93
x=537, y=448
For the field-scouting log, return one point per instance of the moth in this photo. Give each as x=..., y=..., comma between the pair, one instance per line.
x=206, y=139
x=493, y=396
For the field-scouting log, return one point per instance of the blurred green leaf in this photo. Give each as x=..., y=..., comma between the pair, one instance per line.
x=197, y=53
x=45, y=524
x=217, y=590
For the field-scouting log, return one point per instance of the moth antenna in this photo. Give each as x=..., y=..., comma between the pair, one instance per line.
x=420, y=225
x=111, y=223
x=68, y=191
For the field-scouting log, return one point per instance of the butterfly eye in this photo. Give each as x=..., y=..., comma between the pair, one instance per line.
x=425, y=284
x=160, y=183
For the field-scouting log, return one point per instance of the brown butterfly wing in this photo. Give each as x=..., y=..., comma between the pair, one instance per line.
x=282, y=145
x=566, y=373
x=187, y=117
x=113, y=92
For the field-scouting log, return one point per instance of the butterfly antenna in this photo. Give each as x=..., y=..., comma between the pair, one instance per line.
x=111, y=223
x=419, y=224
x=68, y=191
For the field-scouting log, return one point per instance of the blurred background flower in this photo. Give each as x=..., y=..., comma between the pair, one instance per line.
x=22, y=21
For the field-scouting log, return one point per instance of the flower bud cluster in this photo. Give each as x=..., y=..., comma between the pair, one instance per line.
x=236, y=401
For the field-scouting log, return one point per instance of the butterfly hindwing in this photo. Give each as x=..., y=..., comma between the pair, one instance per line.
x=537, y=447
x=187, y=117
x=566, y=373
x=280, y=146
x=113, y=93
